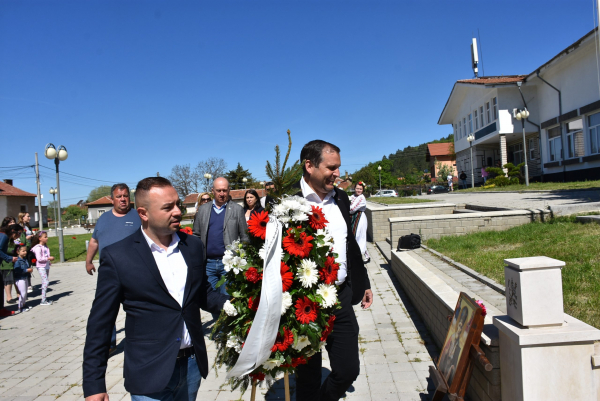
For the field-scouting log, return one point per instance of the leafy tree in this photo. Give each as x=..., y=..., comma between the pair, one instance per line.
x=442, y=171
x=74, y=213
x=98, y=193
x=236, y=177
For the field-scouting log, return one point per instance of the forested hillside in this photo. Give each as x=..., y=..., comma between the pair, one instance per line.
x=408, y=163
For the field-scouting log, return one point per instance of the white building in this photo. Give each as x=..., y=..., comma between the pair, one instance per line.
x=562, y=133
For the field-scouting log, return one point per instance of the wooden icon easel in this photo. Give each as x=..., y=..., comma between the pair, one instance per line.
x=286, y=381
x=471, y=354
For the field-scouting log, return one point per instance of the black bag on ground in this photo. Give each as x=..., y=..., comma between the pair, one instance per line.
x=411, y=241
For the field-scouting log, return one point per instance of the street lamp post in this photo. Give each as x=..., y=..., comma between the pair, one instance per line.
x=53, y=191
x=522, y=115
x=59, y=155
x=471, y=138
x=379, y=168
x=208, y=177
x=245, y=180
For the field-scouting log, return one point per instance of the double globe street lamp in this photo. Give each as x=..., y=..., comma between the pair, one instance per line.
x=208, y=177
x=59, y=155
x=471, y=138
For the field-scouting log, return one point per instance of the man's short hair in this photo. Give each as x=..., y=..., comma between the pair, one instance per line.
x=147, y=184
x=120, y=186
x=269, y=183
x=313, y=151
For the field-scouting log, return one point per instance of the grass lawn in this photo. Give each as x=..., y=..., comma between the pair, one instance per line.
x=74, y=247
x=397, y=201
x=541, y=186
x=563, y=238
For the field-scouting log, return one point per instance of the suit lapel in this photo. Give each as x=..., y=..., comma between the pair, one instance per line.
x=145, y=253
x=187, y=256
x=227, y=212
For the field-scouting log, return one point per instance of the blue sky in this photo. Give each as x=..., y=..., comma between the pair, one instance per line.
x=132, y=88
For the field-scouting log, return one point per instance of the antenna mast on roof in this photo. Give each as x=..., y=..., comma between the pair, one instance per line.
x=474, y=57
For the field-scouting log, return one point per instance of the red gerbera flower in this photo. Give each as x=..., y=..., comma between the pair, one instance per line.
x=71, y=237
x=283, y=342
x=257, y=376
x=299, y=361
x=252, y=275
x=187, y=230
x=328, y=329
x=287, y=277
x=253, y=304
x=297, y=244
x=257, y=225
x=317, y=220
x=306, y=310
x=329, y=272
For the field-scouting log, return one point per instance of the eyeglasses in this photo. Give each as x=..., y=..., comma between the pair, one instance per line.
x=205, y=199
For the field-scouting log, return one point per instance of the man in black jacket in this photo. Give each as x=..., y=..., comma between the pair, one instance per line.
x=321, y=162
x=158, y=275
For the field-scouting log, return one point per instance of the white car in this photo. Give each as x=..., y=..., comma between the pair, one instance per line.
x=386, y=193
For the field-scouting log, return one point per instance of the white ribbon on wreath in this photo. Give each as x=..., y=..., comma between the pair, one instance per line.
x=263, y=331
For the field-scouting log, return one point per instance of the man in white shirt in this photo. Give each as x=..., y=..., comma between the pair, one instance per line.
x=321, y=162
x=158, y=275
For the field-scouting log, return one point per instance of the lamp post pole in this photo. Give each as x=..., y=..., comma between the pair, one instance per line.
x=522, y=115
x=471, y=138
x=53, y=192
x=379, y=168
x=58, y=156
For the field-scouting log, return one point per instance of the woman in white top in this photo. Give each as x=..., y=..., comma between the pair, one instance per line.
x=358, y=205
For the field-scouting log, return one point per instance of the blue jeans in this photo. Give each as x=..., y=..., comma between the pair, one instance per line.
x=464, y=183
x=183, y=385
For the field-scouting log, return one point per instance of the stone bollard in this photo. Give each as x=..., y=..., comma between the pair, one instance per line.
x=545, y=354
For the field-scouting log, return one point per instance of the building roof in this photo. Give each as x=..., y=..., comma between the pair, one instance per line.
x=9, y=190
x=508, y=79
x=236, y=194
x=439, y=149
x=105, y=200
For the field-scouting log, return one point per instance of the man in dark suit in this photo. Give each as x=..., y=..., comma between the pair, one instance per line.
x=321, y=162
x=158, y=275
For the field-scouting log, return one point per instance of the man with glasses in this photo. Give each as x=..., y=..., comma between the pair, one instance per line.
x=111, y=227
x=267, y=199
x=218, y=224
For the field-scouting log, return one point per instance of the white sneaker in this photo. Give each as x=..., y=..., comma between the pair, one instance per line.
x=46, y=303
x=29, y=290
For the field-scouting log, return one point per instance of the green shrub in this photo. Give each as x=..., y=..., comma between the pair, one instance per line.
x=499, y=181
x=494, y=172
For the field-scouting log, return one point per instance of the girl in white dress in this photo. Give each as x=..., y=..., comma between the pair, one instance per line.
x=358, y=205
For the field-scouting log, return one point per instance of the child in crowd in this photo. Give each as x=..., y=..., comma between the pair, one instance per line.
x=21, y=270
x=42, y=261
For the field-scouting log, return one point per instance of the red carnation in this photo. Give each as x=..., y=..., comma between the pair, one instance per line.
x=287, y=277
x=297, y=244
x=257, y=225
x=306, y=310
x=257, y=376
x=252, y=275
x=329, y=272
x=253, y=304
x=33, y=260
x=317, y=220
x=299, y=361
x=482, y=306
x=328, y=329
x=74, y=237
x=283, y=342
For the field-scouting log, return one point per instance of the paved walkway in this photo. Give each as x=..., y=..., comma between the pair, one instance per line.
x=41, y=352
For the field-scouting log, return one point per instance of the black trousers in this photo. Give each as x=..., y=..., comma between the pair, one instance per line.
x=342, y=348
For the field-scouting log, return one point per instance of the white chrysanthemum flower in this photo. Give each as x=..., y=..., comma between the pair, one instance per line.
x=285, y=219
x=262, y=252
x=286, y=302
x=271, y=364
x=299, y=216
x=327, y=238
x=292, y=204
x=235, y=343
x=280, y=209
x=300, y=343
x=307, y=273
x=230, y=309
x=329, y=295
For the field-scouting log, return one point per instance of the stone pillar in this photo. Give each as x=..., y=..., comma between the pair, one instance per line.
x=503, y=154
x=544, y=353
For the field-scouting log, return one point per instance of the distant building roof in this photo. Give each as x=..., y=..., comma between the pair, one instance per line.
x=105, y=200
x=9, y=190
x=439, y=149
x=236, y=194
x=507, y=79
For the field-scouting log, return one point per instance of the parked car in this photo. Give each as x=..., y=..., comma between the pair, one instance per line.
x=437, y=189
x=386, y=193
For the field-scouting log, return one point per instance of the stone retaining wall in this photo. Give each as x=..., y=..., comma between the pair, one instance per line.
x=435, y=300
x=378, y=215
x=456, y=224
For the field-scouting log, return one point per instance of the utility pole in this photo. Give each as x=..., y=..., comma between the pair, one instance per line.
x=39, y=194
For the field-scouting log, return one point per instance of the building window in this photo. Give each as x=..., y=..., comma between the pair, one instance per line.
x=575, y=145
x=100, y=211
x=464, y=126
x=495, y=102
x=481, y=122
x=23, y=208
x=476, y=120
x=455, y=131
x=470, y=123
x=554, y=144
x=594, y=127
x=517, y=153
x=487, y=112
x=531, y=148
x=459, y=131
